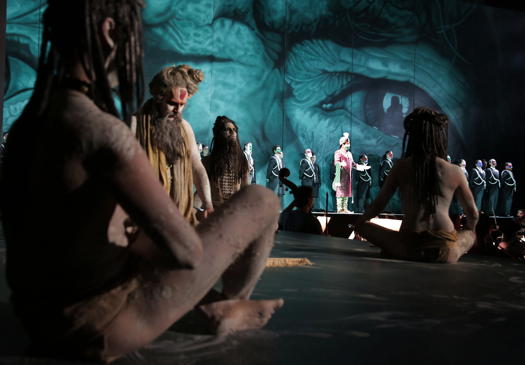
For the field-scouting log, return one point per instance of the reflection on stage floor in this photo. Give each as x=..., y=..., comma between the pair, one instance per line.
x=352, y=306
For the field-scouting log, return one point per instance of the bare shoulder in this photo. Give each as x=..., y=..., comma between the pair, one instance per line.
x=187, y=127
x=448, y=169
x=94, y=129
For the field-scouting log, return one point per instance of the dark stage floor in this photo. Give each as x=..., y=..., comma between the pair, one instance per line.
x=353, y=306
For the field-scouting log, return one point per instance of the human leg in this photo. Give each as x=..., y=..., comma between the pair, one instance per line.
x=465, y=241
x=238, y=235
x=339, y=202
x=390, y=241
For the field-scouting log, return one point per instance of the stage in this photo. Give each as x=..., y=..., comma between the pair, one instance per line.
x=339, y=224
x=351, y=306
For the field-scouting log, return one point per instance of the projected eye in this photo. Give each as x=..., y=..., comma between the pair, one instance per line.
x=380, y=103
x=368, y=91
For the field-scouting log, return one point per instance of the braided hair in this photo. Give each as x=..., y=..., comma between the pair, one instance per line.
x=76, y=35
x=426, y=137
x=225, y=155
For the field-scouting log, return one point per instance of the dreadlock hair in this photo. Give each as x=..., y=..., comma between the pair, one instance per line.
x=176, y=76
x=225, y=156
x=76, y=36
x=426, y=137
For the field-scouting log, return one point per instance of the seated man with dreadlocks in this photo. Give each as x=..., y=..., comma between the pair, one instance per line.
x=226, y=164
x=427, y=183
x=73, y=173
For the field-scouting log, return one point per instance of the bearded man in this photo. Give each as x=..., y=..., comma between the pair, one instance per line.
x=226, y=164
x=169, y=140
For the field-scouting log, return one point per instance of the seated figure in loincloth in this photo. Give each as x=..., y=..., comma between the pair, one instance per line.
x=427, y=183
x=82, y=284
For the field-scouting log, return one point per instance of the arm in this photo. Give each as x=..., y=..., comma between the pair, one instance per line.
x=246, y=179
x=302, y=168
x=200, y=177
x=389, y=188
x=122, y=164
x=269, y=170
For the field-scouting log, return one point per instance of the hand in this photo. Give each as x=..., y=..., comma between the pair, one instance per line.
x=205, y=211
x=208, y=209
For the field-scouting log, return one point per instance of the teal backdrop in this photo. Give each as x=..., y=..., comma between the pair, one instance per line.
x=299, y=73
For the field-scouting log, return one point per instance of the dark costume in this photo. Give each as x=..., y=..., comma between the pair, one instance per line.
x=363, y=184
x=307, y=173
x=493, y=185
x=317, y=183
x=299, y=221
x=477, y=184
x=384, y=170
x=272, y=175
x=508, y=188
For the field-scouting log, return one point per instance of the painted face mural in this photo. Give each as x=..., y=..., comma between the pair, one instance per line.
x=294, y=73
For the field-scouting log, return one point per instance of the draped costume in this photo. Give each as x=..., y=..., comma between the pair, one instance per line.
x=344, y=173
x=177, y=178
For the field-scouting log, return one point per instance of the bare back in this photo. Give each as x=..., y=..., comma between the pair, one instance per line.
x=451, y=181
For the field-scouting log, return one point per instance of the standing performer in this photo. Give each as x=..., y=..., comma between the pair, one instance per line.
x=493, y=186
x=306, y=169
x=317, y=183
x=508, y=188
x=169, y=140
x=363, y=182
x=272, y=171
x=251, y=162
x=342, y=183
x=226, y=164
x=478, y=183
x=385, y=166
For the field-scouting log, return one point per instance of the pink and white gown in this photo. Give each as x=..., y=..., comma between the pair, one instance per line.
x=345, y=190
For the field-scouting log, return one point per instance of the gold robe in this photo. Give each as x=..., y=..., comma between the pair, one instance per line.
x=177, y=178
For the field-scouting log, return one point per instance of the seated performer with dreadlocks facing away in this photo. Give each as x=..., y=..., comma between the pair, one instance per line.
x=73, y=173
x=427, y=183
x=226, y=164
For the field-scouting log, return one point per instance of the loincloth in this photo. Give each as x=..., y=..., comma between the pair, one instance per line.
x=430, y=246
x=76, y=331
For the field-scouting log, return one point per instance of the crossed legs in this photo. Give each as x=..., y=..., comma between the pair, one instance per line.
x=395, y=244
x=237, y=240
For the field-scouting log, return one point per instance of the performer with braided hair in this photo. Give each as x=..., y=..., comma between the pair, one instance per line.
x=73, y=174
x=226, y=164
x=427, y=183
x=169, y=140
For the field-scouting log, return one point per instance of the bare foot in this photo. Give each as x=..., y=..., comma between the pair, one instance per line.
x=233, y=315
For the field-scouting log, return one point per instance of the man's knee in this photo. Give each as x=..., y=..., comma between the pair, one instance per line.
x=263, y=197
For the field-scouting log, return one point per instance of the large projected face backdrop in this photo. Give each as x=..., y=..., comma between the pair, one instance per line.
x=295, y=73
